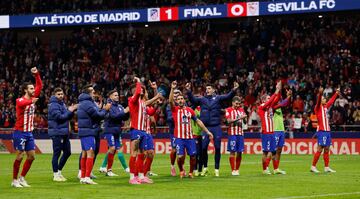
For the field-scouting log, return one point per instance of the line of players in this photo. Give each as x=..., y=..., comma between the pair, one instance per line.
x=91, y=112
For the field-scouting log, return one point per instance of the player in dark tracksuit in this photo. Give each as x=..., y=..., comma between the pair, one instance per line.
x=89, y=120
x=211, y=116
x=58, y=119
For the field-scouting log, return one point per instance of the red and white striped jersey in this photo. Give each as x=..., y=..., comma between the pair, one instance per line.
x=321, y=112
x=25, y=109
x=182, y=117
x=266, y=114
x=235, y=128
x=137, y=110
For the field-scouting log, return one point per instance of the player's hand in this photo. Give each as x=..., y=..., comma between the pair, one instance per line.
x=173, y=85
x=236, y=86
x=278, y=86
x=107, y=107
x=321, y=89
x=34, y=100
x=153, y=85
x=211, y=136
x=73, y=107
x=188, y=86
x=126, y=110
x=34, y=70
x=338, y=91
x=136, y=79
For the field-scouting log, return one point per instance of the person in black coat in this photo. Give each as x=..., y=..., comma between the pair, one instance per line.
x=58, y=119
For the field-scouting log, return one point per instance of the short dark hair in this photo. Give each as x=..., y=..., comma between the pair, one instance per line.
x=86, y=88
x=111, y=92
x=209, y=84
x=236, y=99
x=57, y=89
x=24, y=87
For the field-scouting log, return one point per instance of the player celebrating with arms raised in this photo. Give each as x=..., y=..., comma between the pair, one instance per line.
x=267, y=127
x=183, y=132
x=22, y=137
x=323, y=129
x=137, y=108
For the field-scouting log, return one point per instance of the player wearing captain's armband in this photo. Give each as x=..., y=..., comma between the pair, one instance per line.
x=234, y=116
x=183, y=131
x=323, y=130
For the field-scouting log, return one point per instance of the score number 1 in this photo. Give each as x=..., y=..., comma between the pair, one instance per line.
x=169, y=14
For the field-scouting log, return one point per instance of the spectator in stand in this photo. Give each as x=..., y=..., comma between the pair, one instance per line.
x=298, y=104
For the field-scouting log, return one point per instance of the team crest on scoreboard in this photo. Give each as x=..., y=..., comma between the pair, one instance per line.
x=252, y=8
x=153, y=14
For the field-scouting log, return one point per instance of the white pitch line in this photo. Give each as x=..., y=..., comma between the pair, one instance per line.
x=321, y=195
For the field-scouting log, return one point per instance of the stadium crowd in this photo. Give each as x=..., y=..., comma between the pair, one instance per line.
x=303, y=53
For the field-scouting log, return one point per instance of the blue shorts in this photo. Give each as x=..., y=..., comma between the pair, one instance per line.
x=148, y=143
x=188, y=144
x=217, y=133
x=279, y=138
x=113, y=140
x=268, y=142
x=137, y=134
x=172, y=141
x=88, y=143
x=23, y=141
x=323, y=138
x=235, y=143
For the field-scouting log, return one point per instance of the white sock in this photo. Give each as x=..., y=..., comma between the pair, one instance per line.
x=132, y=176
x=141, y=175
x=59, y=172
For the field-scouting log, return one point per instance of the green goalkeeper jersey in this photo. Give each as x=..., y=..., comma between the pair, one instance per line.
x=278, y=120
x=196, y=128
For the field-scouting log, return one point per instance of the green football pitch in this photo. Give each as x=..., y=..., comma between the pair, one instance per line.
x=298, y=183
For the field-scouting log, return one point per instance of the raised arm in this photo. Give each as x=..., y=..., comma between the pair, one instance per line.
x=137, y=92
x=284, y=102
x=171, y=96
x=38, y=82
x=231, y=94
x=318, y=99
x=152, y=100
x=333, y=98
x=192, y=98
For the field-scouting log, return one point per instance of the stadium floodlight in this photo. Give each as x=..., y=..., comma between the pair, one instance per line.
x=320, y=16
x=146, y=25
x=42, y=30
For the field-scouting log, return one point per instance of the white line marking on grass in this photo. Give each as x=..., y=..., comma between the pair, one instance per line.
x=321, y=195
